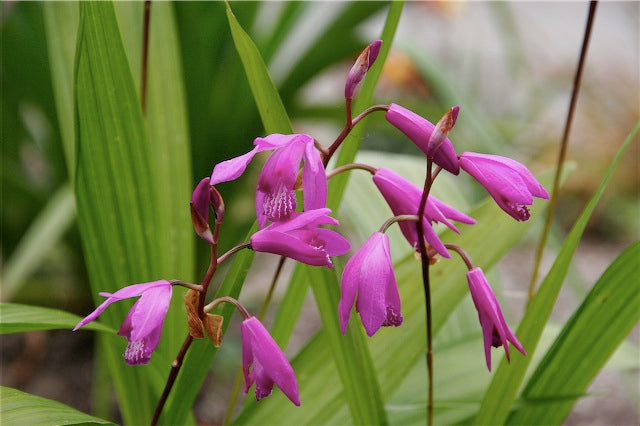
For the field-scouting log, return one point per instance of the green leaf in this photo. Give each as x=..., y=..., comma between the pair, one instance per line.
x=17, y=318
x=45, y=231
x=61, y=24
x=118, y=207
x=20, y=408
x=599, y=325
x=274, y=116
x=508, y=378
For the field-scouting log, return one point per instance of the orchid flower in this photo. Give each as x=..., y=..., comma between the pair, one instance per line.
x=301, y=238
x=275, y=194
x=143, y=325
x=264, y=364
x=369, y=276
x=431, y=139
x=495, y=330
x=510, y=183
x=404, y=199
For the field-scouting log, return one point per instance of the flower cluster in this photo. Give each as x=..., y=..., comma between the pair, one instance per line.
x=297, y=164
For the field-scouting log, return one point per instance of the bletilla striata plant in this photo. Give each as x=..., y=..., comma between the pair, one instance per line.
x=298, y=163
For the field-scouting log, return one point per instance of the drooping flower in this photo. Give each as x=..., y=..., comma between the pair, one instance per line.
x=510, y=183
x=275, y=194
x=369, y=276
x=436, y=146
x=404, y=199
x=301, y=238
x=495, y=330
x=264, y=364
x=143, y=325
x=360, y=68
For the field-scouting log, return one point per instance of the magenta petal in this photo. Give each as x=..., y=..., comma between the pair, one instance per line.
x=495, y=330
x=200, y=198
x=264, y=363
x=154, y=304
x=370, y=273
x=510, y=183
x=228, y=170
x=314, y=179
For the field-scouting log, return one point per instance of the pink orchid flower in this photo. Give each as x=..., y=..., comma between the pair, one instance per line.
x=301, y=238
x=143, y=325
x=275, y=195
x=264, y=364
x=369, y=276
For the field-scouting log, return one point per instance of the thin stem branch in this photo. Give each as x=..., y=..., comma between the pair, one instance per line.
x=563, y=150
x=427, y=289
x=351, y=166
x=395, y=219
x=145, y=56
x=463, y=254
x=233, y=250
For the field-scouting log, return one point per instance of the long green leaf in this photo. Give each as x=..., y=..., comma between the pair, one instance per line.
x=508, y=378
x=20, y=408
x=17, y=318
x=603, y=320
x=274, y=116
x=118, y=208
x=45, y=231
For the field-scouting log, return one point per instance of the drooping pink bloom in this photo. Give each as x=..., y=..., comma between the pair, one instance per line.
x=436, y=146
x=360, y=68
x=143, y=325
x=264, y=364
x=510, y=183
x=369, y=276
x=404, y=199
x=495, y=330
x=275, y=195
x=302, y=239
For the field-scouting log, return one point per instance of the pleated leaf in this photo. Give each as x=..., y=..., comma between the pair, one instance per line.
x=20, y=408
x=596, y=329
x=117, y=204
x=509, y=377
x=17, y=318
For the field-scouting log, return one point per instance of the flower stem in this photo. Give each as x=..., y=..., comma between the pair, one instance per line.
x=563, y=150
x=427, y=288
x=233, y=250
x=463, y=254
x=351, y=166
x=175, y=368
x=395, y=219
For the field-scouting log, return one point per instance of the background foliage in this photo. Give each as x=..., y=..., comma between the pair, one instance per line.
x=95, y=193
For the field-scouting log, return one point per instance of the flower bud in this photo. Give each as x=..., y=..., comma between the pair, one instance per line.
x=360, y=68
x=442, y=129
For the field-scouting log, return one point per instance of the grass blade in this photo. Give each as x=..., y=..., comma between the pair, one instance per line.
x=508, y=378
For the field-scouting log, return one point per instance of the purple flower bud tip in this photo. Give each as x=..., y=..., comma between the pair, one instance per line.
x=509, y=182
x=264, y=363
x=420, y=131
x=143, y=325
x=360, y=67
x=200, y=201
x=302, y=239
x=369, y=277
x=495, y=330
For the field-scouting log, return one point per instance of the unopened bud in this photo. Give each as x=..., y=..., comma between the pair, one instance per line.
x=360, y=68
x=442, y=129
x=213, y=326
x=217, y=203
x=204, y=196
x=191, y=301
